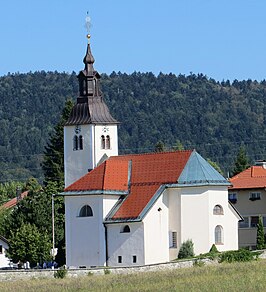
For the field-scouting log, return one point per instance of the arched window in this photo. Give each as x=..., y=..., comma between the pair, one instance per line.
x=218, y=234
x=125, y=229
x=102, y=142
x=107, y=146
x=75, y=143
x=85, y=211
x=80, y=142
x=218, y=210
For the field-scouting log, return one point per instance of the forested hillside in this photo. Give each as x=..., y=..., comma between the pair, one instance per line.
x=213, y=117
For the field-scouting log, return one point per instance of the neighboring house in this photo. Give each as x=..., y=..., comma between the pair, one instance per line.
x=135, y=209
x=4, y=260
x=138, y=209
x=13, y=202
x=249, y=197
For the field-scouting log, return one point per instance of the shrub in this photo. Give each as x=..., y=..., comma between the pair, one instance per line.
x=213, y=249
x=90, y=274
x=186, y=250
x=60, y=273
x=198, y=263
x=241, y=255
x=106, y=271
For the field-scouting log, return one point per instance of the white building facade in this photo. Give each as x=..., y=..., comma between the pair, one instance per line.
x=112, y=232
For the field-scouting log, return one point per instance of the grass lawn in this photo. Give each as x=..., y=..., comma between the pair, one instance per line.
x=249, y=276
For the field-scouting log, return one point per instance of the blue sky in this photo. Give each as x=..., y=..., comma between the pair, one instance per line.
x=221, y=39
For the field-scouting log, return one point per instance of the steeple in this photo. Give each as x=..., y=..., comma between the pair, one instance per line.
x=90, y=134
x=90, y=106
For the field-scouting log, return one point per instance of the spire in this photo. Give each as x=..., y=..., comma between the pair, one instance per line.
x=90, y=106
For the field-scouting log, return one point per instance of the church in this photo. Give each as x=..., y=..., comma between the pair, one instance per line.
x=131, y=210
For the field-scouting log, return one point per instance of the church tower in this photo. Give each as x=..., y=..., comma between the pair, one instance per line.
x=90, y=134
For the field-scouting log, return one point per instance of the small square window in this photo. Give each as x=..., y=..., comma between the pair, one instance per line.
x=174, y=238
x=254, y=196
x=254, y=221
x=119, y=259
x=232, y=197
x=264, y=221
x=244, y=223
x=134, y=258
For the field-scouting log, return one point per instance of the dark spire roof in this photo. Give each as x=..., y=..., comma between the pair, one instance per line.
x=90, y=107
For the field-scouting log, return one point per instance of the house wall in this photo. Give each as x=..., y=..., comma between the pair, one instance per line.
x=78, y=162
x=125, y=245
x=156, y=231
x=248, y=209
x=4, y=260
x=85, y=236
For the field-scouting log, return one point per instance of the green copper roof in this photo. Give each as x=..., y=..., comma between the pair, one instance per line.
x=199, y=172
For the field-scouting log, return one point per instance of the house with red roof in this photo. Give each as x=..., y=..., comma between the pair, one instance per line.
x=135, y=209
x=248, y=194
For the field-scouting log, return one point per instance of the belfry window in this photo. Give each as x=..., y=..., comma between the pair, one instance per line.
x=107, y=142
x=102, y=142
x=80, y=142
x=85, y=211
x=75, y=143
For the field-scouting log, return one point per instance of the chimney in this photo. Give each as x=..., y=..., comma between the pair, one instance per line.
x=261, y=163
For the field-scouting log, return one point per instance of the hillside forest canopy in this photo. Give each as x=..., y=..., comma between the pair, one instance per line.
x=188, y=112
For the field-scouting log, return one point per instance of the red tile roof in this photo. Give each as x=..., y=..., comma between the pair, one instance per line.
x=13, y=202
x=148, y=173
x=251, y=178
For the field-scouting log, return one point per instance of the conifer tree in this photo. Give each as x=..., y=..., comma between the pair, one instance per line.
x=241, y=162
x=159, y=147
x=260, y=235
x=53, y=164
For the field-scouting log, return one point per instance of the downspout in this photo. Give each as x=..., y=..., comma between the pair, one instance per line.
x=106, y=245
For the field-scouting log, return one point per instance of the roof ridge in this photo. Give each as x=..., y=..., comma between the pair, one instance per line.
x=154, y=153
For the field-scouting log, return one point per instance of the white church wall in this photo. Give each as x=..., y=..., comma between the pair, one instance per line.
x=77, y=162
x=174, y=222
x=228, y=220
x=105, y=130
x=198, y=221
x=85, y=236
x=129, y=246
x=156, y=232
x=195, y=215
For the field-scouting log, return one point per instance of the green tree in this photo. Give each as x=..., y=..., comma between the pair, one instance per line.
x=159, y=147
x=53, y=163
x=260, y=234
x=36, y=209
x=215, y=166
x=241, y=162
x=28, y=244
x=178, y=145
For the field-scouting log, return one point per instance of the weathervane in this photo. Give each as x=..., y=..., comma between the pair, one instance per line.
x=88, y=25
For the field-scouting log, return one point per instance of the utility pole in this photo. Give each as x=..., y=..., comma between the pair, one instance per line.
x=53, y=250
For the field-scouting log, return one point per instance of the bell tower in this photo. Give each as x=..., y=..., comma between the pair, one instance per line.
x=90, y=134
